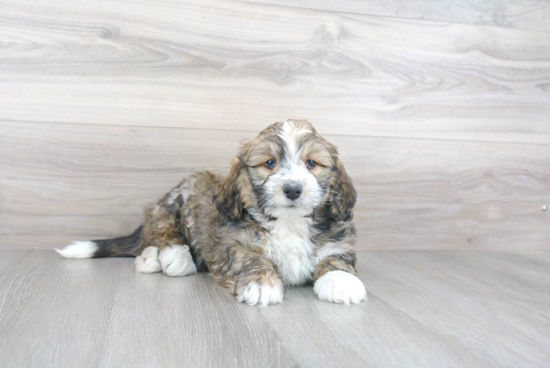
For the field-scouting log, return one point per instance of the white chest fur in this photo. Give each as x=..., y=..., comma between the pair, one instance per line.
x=288, y=245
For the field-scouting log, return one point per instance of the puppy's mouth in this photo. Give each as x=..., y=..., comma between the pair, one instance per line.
x=297, y=209
x=293, y=205
x=290, y=210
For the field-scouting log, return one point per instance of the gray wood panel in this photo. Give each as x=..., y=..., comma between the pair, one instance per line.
x=531, y=14
x=491, y=297
x=442, y=125
x=238, y=66
x=374, y=334
x=73, y=181
x=186, y=321
x=429, y=309
x=54, y=314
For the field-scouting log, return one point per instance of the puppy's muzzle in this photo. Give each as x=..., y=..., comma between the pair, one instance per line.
x=292, y=190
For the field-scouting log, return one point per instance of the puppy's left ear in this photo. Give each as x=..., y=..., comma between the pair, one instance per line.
x=342, y=193
x=227, y=195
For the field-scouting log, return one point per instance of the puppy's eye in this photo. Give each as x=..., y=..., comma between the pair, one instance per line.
x=310, y=164
x=270, y=164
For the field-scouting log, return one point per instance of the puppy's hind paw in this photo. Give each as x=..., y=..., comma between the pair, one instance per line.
x=340, y=287
x=176, y=260
x=148, y=261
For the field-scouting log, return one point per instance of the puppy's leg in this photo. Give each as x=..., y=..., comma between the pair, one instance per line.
x=336, y=281
x=165, y=243
x=250, y=277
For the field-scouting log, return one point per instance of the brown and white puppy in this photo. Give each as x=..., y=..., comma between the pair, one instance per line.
x=281, y=217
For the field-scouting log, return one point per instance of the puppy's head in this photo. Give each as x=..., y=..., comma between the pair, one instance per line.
x=288, y=171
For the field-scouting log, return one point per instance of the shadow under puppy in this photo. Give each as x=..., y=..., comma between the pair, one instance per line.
x=281, y=217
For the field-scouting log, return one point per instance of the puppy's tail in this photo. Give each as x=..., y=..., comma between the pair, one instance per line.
x=127, y=246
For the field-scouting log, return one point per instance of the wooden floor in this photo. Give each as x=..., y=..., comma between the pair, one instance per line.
x=437, y=309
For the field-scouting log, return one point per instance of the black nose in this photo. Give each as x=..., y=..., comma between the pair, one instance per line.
x=292, y=190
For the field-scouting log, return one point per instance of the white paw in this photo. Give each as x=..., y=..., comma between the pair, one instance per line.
x=340, y=287
x=78, y=249
x=261, y=294
x=176, y=260
x=148, y=261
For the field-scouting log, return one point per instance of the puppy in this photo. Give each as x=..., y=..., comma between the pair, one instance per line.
x=281, y=217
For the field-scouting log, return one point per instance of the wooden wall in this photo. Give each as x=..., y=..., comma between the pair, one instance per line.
x=441, y=110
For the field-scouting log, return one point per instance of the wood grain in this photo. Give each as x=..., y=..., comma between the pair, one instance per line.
x=442, y=124
x=480, y=299
x=185, y=321
x=429, y=309
x=239, y=66
x=54, y=316
x=374, y=334
x=74, y=181
x=532, y=14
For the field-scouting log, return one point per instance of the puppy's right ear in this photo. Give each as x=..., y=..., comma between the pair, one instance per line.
x=227, y=194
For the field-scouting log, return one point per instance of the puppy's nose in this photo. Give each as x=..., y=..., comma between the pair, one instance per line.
x=292, y=190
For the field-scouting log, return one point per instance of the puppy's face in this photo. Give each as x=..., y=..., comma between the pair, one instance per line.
x=288, y=171
x=289, y=168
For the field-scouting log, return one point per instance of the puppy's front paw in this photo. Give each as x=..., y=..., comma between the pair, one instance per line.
x=262, y=294
x=340, y=287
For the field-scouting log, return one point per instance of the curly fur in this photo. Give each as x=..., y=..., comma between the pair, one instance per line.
x=252, y=237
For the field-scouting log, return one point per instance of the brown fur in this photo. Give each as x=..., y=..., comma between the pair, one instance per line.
x=344, y=262
x=212, y=216
x=342, y=192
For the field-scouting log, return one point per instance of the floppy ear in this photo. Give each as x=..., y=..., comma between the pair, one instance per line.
x=227, y=195
x=342, y=194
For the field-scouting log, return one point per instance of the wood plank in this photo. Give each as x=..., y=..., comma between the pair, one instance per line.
x=373, y=334
x=240, y=66
x=493, y=310
x=532, y=14
x=187, y=320
x=54, y=312
x=425, y=309
x=11, y=255
x=72, y=181
x=64, y=182
x=419, y=194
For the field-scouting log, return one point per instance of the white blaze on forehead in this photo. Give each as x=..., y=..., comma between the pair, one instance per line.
x=290, y=135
